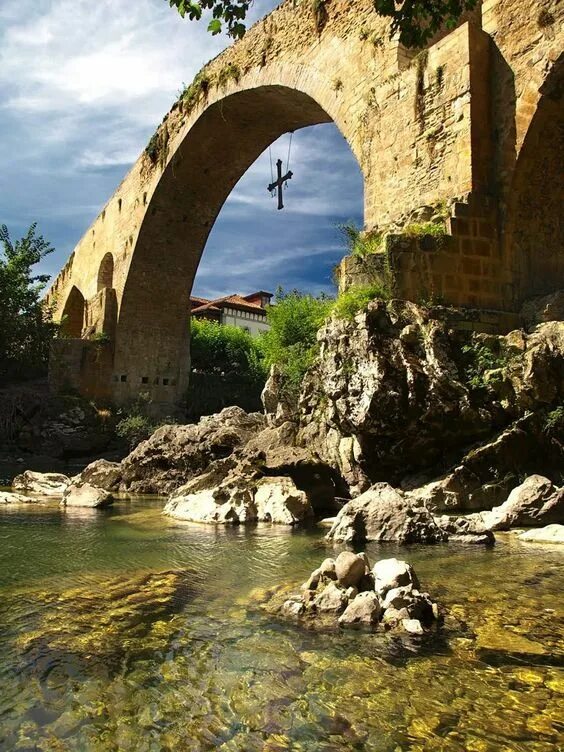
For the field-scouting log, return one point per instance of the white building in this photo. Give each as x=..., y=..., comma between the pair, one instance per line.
x=248, y=312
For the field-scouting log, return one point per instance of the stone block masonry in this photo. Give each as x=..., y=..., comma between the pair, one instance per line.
x=469, y=122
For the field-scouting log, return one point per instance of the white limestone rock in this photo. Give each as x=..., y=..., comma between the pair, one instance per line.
x=278, y=500
x=393, y=573
x=17, y=498
x=86, y=495
x=362, y=611
x=42, y=484
x=548, y=534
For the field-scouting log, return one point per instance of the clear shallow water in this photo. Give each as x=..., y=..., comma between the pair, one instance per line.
x=122, y=630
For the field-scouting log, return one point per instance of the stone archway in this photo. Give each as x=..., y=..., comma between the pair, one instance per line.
x=215, y=153
x=72, y=320
x=534, y=227
x=106, y=272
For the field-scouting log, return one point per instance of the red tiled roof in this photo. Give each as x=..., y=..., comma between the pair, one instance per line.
x=234, y=301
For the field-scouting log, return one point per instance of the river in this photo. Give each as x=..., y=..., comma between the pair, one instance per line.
x=123, y=630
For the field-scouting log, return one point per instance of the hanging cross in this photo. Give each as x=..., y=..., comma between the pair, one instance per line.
x=279, y=183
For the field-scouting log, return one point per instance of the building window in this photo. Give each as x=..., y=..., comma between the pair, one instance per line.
x=116, y=377
x=165, y=382
x=123, y=378
x=144, y=379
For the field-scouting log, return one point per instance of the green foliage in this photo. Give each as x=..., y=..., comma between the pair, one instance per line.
x=360, y=243
x=101, y=338
x=26, y=330
x=228, y=13
x=355, y=299
x=229, y=72
x=479, y=359
x=229, y=350
x=415, y=23
x=291, y=343
x=554, y=422
x=227, y=369
x=191, y=94
x=156, y=149
x=135, y=425
x=416, y=229
x=320, y=15
x=135, y=429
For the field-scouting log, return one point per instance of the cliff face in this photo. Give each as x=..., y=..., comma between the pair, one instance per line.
x=398, y=395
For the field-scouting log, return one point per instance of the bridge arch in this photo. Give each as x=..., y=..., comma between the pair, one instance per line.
x=106, y=272
x=534, y=226
x=225, y=140
x=72, y=320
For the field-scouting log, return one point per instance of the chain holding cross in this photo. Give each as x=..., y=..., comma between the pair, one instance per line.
x=279, y=182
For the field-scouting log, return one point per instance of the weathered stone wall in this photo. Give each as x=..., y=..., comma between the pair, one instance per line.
x=444, y=124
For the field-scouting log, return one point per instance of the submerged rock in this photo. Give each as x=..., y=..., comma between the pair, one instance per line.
x=85, y=495
x=384, y=514
x=111, y=617
x=44, y=484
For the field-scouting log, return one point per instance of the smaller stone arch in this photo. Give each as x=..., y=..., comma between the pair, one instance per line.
x=72, y=319
x=106, y=272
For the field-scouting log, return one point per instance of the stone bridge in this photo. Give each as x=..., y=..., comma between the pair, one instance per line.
x=472, y=124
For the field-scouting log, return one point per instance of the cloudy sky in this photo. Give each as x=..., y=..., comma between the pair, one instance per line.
x=83, y=85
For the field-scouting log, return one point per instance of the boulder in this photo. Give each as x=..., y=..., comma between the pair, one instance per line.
x=331, y=599
x=293, y=608
x=102, y=474
x=393, y=573
x=17, y=498
x=174, y=454
x=239, y=497
x=486, y=475
x=278, y=500
x=386, y=597
x=543, y=308
x=363, y=611
x=85, y=495
x=222, y=505
x=384, y=514
x=43, y=484
x=534, y=503
x=402, y=389
x=413, y=626
x=548, y=534
x=349, y=569
x=466, y=529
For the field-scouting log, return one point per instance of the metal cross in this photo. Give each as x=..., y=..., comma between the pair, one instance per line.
x=279, y=182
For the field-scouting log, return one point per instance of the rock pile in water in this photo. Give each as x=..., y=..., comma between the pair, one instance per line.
x=357, y=596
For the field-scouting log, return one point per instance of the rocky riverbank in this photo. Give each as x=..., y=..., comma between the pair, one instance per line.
x=407, y=429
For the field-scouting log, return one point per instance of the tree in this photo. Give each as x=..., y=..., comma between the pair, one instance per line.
x=291, y=342
x=416, y=21
x=25, y=326
x=226, y=369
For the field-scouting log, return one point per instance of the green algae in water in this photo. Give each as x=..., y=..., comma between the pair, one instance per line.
x=121, y=631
